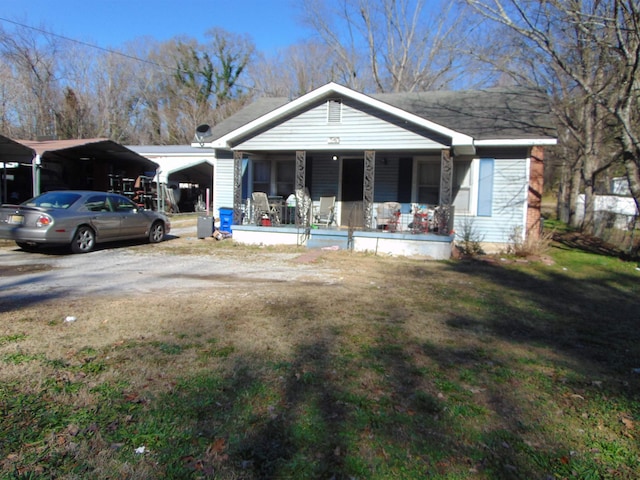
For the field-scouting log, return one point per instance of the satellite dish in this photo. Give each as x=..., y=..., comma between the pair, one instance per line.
x=203, y=134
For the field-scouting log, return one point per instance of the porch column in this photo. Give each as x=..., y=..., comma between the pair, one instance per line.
x=534, y=200
x=301, y=169
x=445, y=220
x=301, y=175
x=237, y=187
x=367, y=191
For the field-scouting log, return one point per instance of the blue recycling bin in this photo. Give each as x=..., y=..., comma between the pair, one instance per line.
x=226, y=219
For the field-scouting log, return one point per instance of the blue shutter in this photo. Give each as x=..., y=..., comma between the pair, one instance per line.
x=485, y=187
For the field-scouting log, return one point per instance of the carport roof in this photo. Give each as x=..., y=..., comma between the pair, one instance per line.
x=172, y=150
x=88, y=148
x=10, y=150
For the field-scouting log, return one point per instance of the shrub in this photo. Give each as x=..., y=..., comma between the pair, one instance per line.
x=528, y=246
x=469, y=240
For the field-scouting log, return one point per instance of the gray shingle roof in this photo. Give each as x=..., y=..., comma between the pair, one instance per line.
x=498, y=113
x=251, y=112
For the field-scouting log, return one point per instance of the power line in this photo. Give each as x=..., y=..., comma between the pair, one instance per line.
x=86, y=44
x=114, y=52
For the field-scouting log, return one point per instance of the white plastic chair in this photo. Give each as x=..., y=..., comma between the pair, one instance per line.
x=325, y=213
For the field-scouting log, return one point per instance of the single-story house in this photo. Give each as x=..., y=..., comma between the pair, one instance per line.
x=472, y=159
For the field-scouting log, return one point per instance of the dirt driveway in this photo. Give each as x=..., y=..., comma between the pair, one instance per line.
x=182, y=263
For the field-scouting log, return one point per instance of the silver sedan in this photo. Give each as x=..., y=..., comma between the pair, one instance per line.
x=80, y=219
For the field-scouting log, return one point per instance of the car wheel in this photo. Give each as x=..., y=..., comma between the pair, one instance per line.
x=156, y=234
x=84, y=240
x=27, y=247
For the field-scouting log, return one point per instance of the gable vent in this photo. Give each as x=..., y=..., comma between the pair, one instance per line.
x=334, y=114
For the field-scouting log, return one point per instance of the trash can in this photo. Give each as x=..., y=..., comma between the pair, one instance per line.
x=205, y=227
x=226, y=219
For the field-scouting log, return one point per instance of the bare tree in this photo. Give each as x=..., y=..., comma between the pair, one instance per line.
x=33, y=63
x=294, y=71
x=592, y=50
x=390, y=45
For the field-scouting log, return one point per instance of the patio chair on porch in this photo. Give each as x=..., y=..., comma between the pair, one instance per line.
x=261, y=208
x=388, y=216
x=325, y=213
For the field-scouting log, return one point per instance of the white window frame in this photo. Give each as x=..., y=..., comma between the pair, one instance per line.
x=469, y=183
x=418, y=161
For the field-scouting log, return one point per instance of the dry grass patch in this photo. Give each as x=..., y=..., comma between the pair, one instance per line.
x=397, y=369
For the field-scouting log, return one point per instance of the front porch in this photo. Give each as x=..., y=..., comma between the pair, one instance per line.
x=383, y=242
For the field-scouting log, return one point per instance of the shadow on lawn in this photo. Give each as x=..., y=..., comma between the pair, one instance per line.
x=395, y=406
x=590, y=319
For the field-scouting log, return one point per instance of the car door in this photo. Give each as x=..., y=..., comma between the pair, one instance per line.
x=133, y=223
x=104, y=220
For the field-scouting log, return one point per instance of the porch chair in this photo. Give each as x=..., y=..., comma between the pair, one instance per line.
x=388, y=216
x=260, y=207
x=325, y=213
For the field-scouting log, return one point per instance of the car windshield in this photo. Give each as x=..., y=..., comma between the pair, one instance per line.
x=53, y=200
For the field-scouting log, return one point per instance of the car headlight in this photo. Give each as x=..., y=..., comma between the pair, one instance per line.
x=44, y=221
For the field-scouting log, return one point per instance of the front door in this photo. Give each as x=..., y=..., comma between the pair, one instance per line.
x=352, y=192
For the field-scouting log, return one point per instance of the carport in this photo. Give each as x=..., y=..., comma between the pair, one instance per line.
x=186, y=171
x=93, y=164
x=16, y=179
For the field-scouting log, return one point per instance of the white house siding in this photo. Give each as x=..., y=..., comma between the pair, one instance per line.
x=358, y=129
x=386, y=182
x=510, y=184
x=223, y=191
x=325, y=174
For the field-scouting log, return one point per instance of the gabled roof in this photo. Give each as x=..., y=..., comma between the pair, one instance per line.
x=494, y=116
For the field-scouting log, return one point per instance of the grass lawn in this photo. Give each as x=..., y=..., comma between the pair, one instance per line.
x=402, y=369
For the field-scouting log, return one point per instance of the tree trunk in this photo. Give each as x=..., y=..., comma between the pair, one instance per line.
x=574, y=192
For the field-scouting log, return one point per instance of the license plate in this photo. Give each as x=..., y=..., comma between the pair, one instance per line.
x=16, y=219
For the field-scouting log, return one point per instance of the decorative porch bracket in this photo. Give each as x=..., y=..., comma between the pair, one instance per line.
x=237, y=187
x=367, y=191
x=301, y=175
x=445, y=220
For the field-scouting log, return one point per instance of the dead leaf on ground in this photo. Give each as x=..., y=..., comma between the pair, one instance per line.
x=627, y=422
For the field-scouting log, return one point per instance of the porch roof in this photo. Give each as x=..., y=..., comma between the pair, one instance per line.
x=500, y=116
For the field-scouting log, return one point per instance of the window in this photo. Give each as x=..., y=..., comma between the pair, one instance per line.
x=97, y=203
x=121, y=204
x=428, y=186
x=274, y=177
x=285, y=178
x=261, y=176
x=462, y=186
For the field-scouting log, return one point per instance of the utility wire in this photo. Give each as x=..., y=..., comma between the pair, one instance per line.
x=114, y=52
x=86, y=44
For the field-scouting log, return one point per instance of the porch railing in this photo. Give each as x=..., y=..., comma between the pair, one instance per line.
x=436, y=219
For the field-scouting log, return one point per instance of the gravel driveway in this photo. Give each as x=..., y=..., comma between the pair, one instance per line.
x=121, y=270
